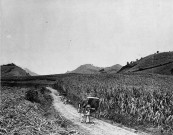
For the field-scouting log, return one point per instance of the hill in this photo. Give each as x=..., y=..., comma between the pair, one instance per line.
x=160, y=63
x=86, y=69
x=10, y=70
x=30, y=72
x=91, y=69
x=113, y=69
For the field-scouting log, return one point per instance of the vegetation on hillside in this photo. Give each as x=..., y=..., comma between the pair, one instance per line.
x=129, y=99
x=159, y=63
x=10, y=70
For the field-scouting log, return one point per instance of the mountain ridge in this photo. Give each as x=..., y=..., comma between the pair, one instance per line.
x=91, y=69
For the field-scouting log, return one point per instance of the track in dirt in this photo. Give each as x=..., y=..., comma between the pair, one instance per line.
x=98, y=128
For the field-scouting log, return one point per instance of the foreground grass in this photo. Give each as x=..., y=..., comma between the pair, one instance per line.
x=19, y=116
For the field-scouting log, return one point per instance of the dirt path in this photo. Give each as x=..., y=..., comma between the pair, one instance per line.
x=98, y=128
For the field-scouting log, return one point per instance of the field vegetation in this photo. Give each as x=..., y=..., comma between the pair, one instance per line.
x=33, y=80
x=135, y=100
x=29, y=111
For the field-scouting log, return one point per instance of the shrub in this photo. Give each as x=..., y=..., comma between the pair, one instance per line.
x=32, y=95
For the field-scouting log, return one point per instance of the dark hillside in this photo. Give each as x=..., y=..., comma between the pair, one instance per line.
x=160, y=63
x=166, y=69
x=10, y=70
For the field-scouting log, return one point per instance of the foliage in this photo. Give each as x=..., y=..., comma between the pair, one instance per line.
x=32, y=95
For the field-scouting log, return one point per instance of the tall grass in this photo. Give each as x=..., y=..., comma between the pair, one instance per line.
x=132, y=100
x=21, y=117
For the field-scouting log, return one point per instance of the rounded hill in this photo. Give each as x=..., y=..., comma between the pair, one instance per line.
x=158, y=63
x=12, y=70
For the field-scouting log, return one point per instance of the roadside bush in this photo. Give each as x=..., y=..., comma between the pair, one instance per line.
x=32, y=95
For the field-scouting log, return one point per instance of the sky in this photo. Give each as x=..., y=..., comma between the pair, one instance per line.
x=55, y=36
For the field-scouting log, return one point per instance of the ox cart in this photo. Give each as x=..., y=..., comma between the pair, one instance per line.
x=89, y=107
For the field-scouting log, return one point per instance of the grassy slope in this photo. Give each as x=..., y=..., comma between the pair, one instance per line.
x=165, y=69
x=20, y=116
x=160, y=63
x=12, y=70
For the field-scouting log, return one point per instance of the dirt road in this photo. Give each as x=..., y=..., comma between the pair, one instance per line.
x=98, y=128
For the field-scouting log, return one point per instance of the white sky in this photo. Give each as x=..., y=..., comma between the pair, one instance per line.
x=36, y=33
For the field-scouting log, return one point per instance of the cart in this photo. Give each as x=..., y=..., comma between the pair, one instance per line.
x=93, y=102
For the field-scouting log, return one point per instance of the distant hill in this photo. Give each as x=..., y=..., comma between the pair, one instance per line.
x=86, y=69
x=159, y=63
x=12, y=70
x=91, y=69
x=113, y=69
x=30, y=72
